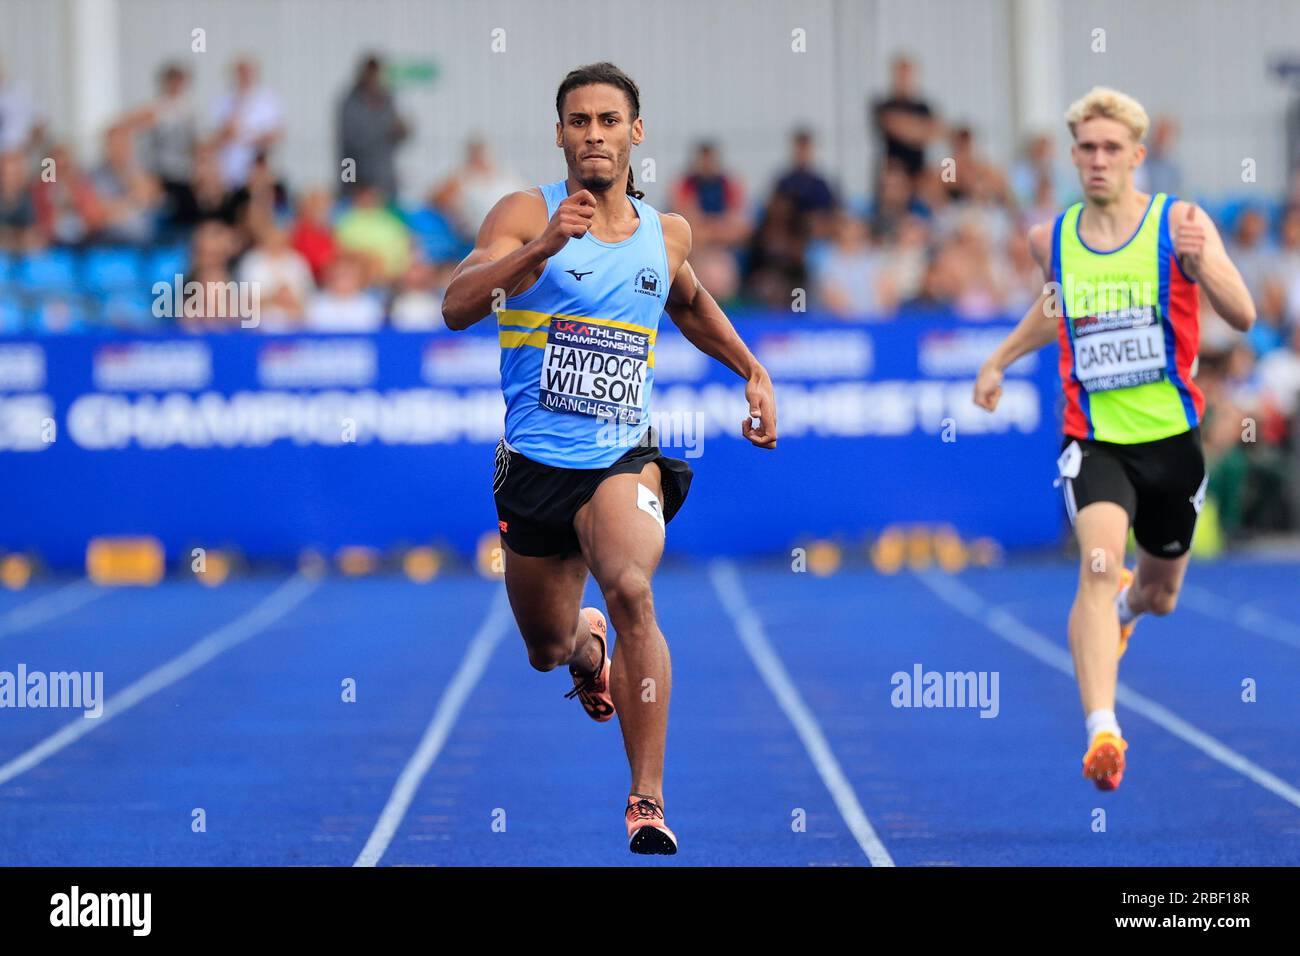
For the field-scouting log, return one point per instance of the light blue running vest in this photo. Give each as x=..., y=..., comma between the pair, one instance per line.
x=577, y=347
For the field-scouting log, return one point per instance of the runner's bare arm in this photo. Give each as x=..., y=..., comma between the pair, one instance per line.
x=1037, y=329
x=503, y=255
x=706, y=326
x=1203, y=258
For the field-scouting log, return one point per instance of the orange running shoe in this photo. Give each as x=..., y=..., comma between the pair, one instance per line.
x=1126, y=630
x=1103, y=764
x=646, y=830
x=593, y=690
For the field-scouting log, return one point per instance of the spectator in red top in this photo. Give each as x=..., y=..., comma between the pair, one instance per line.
x=712, y=201
x=312, y=235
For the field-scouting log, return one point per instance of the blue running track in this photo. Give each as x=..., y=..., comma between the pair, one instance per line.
x=784, y=745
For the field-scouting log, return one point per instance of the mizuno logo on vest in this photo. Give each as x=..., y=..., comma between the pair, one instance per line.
x=578, y=275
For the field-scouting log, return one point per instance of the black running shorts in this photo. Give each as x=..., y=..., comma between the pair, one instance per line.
x=536, y=503
x=1161, y=484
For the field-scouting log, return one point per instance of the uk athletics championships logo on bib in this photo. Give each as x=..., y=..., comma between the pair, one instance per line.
x=593, y=368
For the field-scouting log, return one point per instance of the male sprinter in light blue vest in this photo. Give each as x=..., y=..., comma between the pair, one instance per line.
x=578, y=273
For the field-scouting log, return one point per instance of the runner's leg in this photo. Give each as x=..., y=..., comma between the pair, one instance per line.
x=1102, y=530
x=546, y=597
x=1173, y=491
x=622, y=544
x=1156, y=583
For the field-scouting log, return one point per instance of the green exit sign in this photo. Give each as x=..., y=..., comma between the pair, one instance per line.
x=412, y=72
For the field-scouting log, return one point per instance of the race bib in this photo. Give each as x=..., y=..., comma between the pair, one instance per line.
x=595, y=369
x=1119, y=349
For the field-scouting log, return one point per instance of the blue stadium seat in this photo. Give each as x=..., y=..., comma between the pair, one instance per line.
x=9, y=288
x=1227, y=210
x=132, y=310
x=52, y=270
x=1275, y=211
x=816, y=254
x=435, y=235
x=165, y=263
x=62, y=312
x=112, y=269
x=13, y=318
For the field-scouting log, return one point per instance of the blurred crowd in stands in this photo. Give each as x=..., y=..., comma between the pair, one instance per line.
x=181, y=191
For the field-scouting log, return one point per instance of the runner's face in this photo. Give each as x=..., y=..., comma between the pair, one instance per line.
x=1105, y=154
x=597, y=135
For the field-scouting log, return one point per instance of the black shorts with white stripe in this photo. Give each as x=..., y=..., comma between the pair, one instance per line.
x=536, y=503
x=1161, y=484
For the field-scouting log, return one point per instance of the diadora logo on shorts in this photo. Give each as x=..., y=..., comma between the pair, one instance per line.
x=647, y=282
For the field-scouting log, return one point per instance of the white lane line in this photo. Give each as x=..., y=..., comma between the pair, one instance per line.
x=265, y=613
x=1031, y=642
x=471, y=669
x=49, y=606
x=1242, y=615
x=749, y=628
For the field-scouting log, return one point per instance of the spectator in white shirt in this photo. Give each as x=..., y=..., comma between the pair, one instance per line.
x=282, y=277
x=248, y=121
x=470, y=192
x=417, y=307
x=344, y=305
x=848, y=277
x=19, y=122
